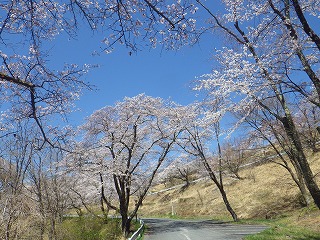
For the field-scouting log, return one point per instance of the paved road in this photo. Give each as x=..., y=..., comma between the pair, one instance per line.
x=167, y=229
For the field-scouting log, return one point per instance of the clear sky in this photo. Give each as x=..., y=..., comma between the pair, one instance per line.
x=155, y=72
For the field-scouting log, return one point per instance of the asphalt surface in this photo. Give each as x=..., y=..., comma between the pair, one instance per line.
x=167, y=229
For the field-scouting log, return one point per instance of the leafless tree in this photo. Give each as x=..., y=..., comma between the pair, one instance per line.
x=236, y=153
x=307, y=119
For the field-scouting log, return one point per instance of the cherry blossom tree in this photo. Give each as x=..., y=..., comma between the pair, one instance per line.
x=82, y=190
x=269, y=55
x=279, y=35
x=167, y=23
x=299, y=42
x=245, y=83
x=86, y=171
x=183, y=168
x=201, y=124
x=31, y=88
x=126, y=144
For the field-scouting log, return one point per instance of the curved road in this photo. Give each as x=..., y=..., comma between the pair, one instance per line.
x=167, y=229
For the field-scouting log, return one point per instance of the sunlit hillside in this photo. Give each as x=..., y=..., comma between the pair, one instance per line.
x=266, y=191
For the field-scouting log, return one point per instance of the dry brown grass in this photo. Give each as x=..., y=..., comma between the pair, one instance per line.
x=266, y=191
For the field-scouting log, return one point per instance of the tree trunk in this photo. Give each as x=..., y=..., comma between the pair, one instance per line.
x=125, y=223
x=221, y=189
x=304, y=192
x=123, y=192
x=298, y=154
x=52, y=231
x=299, y=180
x=227, y=204
x=126, y=227
x=220, y=182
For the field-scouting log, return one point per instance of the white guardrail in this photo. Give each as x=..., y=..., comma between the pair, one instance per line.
x=137, y=234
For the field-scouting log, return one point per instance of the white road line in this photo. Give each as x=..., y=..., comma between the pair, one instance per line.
x=185, y=234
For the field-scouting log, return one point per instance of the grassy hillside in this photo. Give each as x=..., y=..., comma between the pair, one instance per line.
x=266, y=192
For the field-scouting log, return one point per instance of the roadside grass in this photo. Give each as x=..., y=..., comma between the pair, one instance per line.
x=89, y=228
x=296, y=225
x=283, y=232
x=278, y=231
x=92, y=228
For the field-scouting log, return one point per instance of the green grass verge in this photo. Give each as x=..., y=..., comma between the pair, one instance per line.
x=285, y=232
x=89, y=228
x=282, y=229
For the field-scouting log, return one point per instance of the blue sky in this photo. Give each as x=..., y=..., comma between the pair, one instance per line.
x=155, y=72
